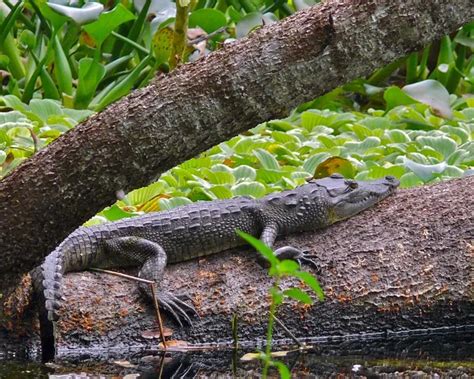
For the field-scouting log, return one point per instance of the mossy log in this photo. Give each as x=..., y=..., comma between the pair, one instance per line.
x=404, y=266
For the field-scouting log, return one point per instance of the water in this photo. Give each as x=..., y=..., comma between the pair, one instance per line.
x=431, y=357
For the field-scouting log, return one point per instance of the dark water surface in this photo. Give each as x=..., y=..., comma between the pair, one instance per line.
x=449, y=356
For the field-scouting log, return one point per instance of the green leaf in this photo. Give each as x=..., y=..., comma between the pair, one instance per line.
x=208, y=19
x=163, y=45
x=145, y=194
x=410, y=180
x=287, y=266
x=334, y=165
x=91, y=73
x=45, y=108
x=3, y=157
x=174, y=202
x=62, y=70
x=245, y=172
x=88, y=13
x=263, y=249
x=298, y=295
x=254, y=189
x=394, y=97
x=313, y=161
x=310, y=281
x=248, y=23
x=444, y=145
x=56, y=19
x=424, y=171
x=362, y=148
x=282, y=370
x=108, y=21
x=432, y=93
x=221, y=192
x=115, y=213
x=266, y=159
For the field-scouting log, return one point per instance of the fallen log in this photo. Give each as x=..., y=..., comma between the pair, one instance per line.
x=255, y=79
x=404, y=266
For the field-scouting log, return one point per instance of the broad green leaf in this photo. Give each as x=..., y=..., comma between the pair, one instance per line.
x=266, y=159
x=174, y=202
x=163, y=45
x=410, y=179
x=142, y=195
x=280, y=125
x=248, y=23
x=197, y=163
x=88, y=13
x=3, y=157
x=444, y=145
x=425, y=172
x=287, y=267
x=115, y=213
x=298, y=295
x=334, y=165
x=260, y=247
x=245, y=172
x=90, y=75
x=310, y=281
x=269, y=176
x=394, y=97
x=108, y=21
x=221, y=192
x=362, y=148
x=313, y=161
x=62, y=70
x=433, y=93
x=45, y=108
x=398, y=136
x=222, y=177
x=254, y=189
x=208, y=19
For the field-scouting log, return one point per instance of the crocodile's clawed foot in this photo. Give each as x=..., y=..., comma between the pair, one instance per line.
x=177, y=308
x=300, y=256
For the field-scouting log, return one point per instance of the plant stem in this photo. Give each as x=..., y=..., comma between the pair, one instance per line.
x=268, y=347
x=180, y=34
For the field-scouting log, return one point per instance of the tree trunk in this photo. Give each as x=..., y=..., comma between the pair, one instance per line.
x=404, y=266
x=199, y=105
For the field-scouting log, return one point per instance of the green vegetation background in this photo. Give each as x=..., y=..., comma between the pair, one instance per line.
x=62, y=61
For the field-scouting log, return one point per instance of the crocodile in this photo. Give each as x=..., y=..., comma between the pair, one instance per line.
x=153, y=240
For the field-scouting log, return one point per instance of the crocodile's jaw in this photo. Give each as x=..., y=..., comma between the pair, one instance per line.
x=350, y=201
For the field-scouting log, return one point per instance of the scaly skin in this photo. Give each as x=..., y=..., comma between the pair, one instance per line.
x=153, y=240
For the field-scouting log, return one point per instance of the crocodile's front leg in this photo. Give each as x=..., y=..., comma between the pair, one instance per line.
x=268, y=237
x=153, y=259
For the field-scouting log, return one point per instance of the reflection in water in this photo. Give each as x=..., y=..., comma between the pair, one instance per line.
x=430, y=357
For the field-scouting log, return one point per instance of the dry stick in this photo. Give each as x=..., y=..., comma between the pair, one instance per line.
x=153, y=292
x=292, y=336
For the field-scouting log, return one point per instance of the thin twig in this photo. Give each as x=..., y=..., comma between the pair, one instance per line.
x=206, y=36
x=158, y=315
x=292, y=336
x=153, y=292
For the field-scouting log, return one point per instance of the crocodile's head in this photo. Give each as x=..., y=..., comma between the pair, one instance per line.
x=349, y=197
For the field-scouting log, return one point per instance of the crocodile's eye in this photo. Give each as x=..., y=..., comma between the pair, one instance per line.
x=352, y=184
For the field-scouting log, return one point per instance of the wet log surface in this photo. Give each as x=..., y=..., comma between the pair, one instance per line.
x=403, y=267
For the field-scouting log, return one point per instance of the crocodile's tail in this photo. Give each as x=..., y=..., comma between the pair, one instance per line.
x=52, y=271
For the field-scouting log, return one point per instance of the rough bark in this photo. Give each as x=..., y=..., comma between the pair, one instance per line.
x=199, y=105
x=403, y=267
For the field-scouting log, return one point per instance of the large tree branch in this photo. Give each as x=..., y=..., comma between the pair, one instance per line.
x=201, y=104
x=403, y=265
